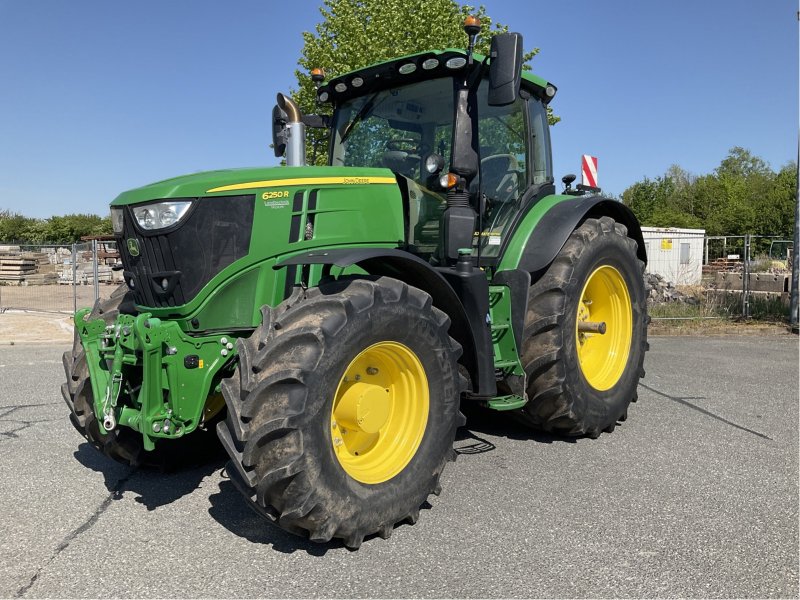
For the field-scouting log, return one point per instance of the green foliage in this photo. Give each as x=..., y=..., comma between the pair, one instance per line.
x=57, y=230
x=357, y=33
x=742, y=195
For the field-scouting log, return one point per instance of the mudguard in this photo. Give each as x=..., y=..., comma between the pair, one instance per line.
x=555, y=226
x=467, y=330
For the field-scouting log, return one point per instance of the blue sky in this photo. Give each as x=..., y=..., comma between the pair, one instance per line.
x=101, y=96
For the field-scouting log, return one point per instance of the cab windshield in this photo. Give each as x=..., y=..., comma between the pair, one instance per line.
x=396, y=129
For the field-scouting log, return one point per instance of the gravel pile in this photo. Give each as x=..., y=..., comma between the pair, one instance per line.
x=660, y=291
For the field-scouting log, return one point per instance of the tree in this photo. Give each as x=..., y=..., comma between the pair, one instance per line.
x=57, y=230
x=17, y=228
x=71, y=228
x=742, y=195
x=356, y=33
x=776, y=210
x=741, y=164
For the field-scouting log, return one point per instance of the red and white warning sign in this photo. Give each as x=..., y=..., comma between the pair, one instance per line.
x=589, y=170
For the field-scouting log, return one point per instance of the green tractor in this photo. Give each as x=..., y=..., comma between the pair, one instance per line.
x=330, y=321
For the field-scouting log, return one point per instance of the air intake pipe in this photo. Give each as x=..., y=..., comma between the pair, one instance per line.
x=295, y=133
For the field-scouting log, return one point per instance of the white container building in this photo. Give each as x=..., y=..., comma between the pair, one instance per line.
x=675, y=254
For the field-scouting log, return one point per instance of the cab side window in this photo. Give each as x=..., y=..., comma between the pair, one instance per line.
x=503, y=147
x=540, y=142
x=504, y=166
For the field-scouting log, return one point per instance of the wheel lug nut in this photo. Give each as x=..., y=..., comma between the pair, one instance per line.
x=372, y=371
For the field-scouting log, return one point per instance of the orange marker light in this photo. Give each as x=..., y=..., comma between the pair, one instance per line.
x=472, y=27
x=472, y=21
x=317, y=74
x=448, y=180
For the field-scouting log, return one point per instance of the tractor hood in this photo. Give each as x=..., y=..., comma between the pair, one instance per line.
x=249, y=180
x=213, y=266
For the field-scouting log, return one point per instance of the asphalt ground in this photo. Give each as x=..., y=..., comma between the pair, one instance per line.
x=695, y=495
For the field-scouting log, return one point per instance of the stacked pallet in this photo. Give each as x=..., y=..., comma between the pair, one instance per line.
x=26, y=268
x=723, y=264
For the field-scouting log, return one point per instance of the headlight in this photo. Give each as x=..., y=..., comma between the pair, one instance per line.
x=161, y=214
x=116, y=220
x=434, y=163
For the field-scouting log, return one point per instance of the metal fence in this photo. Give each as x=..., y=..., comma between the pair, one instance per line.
x=691, y=275
x=56, y=277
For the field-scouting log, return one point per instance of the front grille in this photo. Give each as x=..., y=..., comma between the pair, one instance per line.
x=213, y=235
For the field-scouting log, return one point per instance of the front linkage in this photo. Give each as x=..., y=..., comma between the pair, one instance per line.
x=150, y=376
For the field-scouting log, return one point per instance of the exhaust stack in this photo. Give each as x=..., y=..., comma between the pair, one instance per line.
x=295, y=132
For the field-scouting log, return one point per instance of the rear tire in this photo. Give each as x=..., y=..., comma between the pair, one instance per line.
x=578, y=383
x=285, y=430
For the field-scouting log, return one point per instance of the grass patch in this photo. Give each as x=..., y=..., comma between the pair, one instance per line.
x=721, y=314
x=770, y=308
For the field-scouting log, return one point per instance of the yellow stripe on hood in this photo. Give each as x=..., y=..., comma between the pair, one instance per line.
x=303, y=181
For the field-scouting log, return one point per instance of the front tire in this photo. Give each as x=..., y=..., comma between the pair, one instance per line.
x=123, y=444
x=343, y=409
x=581, y=382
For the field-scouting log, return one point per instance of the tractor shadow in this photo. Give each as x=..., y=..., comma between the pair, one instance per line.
x=487, y=422
x=231, y=511
x=152, y=487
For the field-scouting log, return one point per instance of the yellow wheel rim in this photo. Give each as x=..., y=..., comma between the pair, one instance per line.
x=380, y=412
x=604, y=299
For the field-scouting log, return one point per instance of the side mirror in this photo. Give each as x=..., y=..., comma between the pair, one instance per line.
x=505, y=68
x=280, y=135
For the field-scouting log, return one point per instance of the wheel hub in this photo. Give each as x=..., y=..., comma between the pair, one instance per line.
x=380, y=412
x=364, y=406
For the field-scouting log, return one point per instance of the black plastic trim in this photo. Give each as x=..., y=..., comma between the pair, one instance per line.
x=472, y=288
x=294, y=229
x=552, y=231
x=212, y=235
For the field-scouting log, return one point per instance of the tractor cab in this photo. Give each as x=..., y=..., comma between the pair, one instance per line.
x=466, y=135
x=409, y=129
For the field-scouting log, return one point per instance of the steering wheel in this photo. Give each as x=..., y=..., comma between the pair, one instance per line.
x=500, y=177
x=403, y=145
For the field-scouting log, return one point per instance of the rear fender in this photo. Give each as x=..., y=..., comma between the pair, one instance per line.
x=554, y=228
x=416, y=272
x=546, y=239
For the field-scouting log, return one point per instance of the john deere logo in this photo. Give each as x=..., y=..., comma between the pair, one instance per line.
x=133, y=246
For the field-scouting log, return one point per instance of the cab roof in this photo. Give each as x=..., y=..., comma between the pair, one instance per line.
x=412, y=68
